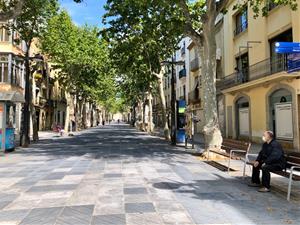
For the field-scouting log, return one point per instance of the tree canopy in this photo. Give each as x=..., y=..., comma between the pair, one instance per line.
x=81, y=58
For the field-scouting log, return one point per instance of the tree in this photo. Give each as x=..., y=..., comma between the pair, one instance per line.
x=197, y=21
x=200, y=17
x=31, y=24
x=82, y=59
x=143, y=34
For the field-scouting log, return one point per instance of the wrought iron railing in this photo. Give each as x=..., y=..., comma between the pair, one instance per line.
x=261, y=69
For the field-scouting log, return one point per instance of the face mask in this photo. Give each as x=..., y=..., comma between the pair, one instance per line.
x=264, y=139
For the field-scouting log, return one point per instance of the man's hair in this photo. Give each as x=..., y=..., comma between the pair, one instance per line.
x=270, y=133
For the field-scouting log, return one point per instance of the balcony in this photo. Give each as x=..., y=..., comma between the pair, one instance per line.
x=259, y=70
x=11, y=70
x=194, y=97
x=194, y=64
x=182, y=73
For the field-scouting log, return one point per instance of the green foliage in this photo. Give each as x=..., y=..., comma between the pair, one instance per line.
x=141, y=34
x=32, y=21
x=81, y=58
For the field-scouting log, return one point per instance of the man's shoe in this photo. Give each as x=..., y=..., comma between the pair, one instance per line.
x=253, y=184
x=264, y=189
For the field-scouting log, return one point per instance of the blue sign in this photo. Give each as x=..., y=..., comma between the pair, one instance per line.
x=9, y=138
x=287, y=50
x=180, y=135
x=287, y=44
x=287, y=47
x=181, y=106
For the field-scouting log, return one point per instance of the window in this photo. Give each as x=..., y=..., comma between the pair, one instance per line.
x=241, y=21
x=4, y=36
x=271, y=5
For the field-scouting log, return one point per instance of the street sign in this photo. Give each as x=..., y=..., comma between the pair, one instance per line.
x=287, y=44
x=287, y=47
x=287, y=50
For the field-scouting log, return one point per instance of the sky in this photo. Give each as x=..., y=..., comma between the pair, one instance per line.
x=89, y=11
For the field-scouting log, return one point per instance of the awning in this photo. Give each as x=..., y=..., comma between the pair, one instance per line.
x=12, y=96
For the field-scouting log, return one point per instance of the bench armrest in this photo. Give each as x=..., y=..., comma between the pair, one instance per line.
x=294, y=167
x=235, y=150
x=250, y=154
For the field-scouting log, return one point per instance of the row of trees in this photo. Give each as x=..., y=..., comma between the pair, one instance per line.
x=77, y=53
x=82, y=61
x=145, y=33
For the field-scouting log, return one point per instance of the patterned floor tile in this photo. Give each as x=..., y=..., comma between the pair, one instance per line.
x=76, y=215
x=42, y=216
x=113, y=219
x=135, y=190
x=144, y=207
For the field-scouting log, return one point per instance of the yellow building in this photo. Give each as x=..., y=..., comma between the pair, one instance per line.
x=260, y=93
x=12, y=76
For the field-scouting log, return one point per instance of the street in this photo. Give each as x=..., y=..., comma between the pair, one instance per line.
x=117, y=175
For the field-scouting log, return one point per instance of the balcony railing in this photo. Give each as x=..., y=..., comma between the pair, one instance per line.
x=259, y=70
x=194, y=65
x=182, y=73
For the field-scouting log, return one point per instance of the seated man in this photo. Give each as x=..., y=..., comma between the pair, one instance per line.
x=270, y=158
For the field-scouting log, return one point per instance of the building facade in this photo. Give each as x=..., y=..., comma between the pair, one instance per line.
x=12, y=77
x=260, y=92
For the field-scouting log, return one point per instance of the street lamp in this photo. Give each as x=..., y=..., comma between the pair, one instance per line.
x=173, y=97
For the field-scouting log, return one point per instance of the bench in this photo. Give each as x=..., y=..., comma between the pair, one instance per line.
x=293, y=164
x=233, y=149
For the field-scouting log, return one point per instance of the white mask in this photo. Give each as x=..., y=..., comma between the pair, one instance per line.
x=264, y=139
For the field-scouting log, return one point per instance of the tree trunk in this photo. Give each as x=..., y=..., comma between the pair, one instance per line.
x=76, y=112
x=35, y=132
x=150, y=120
x=25, y=139
x=84, y=115
x=163, y=104
x=67, y=119
x=213, y=136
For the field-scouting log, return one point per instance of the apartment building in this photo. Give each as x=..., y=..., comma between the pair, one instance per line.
x=261, y=91
x=12, y=79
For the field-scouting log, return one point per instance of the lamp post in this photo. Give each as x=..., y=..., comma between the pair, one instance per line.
x=173, y=97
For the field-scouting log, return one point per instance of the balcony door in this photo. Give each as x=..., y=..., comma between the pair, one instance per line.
x=278, y=61
x=242, y=63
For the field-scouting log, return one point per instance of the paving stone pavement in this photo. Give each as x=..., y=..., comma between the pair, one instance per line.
x=116, y=175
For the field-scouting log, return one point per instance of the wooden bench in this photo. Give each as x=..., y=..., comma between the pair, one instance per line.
x=233, y=149
x=293, y=164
